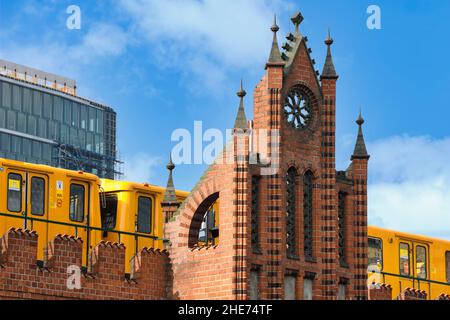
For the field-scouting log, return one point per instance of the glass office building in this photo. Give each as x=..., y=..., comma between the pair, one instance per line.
x=42, y=120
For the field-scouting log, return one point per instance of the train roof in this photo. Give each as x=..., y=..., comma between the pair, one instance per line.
x=42, y=168
x=111, y=185
x=409, y=235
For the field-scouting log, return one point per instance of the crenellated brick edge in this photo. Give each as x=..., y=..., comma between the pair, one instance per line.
x=61, y=276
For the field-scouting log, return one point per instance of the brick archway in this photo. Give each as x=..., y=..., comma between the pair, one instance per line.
x=198, y=218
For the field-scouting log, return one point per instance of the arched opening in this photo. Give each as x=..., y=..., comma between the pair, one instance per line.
x=204, y=225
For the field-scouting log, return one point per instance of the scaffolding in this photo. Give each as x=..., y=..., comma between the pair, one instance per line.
x=74, y=158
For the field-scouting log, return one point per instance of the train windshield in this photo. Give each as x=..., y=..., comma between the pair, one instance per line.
x=375, y=255
x=109, y=212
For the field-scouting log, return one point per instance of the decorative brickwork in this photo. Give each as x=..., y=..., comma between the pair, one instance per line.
x=380, y=291
x=412, y=294
x=291, y=101
x=21, y=278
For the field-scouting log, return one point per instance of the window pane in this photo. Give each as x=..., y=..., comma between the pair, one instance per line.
x=308, y=214
x=290, y=287
x=307, y=289
x=100, y=121
x=67, y=112
x=14, y=192
x=37, y=196
x=404, y=259
x=76, y=202
x=58, y=109
x=83, y=117
x=17, y=97
x=254, y=285
x=421, y=262
x=32, y=125
x=22, y=123
x=43, y=128
x=2, y=118
x=375, y=253
x=27, y=100
x=291, y=192
x=6, y=95
x=92, y=119
x=48, y=104
x=76, y=115
x=144, y=215
x=109, y=213
x=5, y=143
x=37, y=103
x=342, y=292
x=11, y=120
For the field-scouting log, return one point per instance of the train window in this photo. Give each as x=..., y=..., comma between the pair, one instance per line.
x=375, y=253
x=37, y=196
x=404, y=259
x=76, y=203
x=421, y=262
x=144, y=224
x=14, y=192
x=447, y=262
x=109, y=212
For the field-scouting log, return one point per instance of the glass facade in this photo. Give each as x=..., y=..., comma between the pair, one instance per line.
x=39, y=126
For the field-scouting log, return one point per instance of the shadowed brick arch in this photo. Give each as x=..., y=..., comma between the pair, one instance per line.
x=199, y=201
x=198, y=218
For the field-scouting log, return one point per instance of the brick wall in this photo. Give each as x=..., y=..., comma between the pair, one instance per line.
x=380, y=291
x=21, y=278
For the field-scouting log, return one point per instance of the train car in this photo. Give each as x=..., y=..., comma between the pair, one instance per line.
x=131, y=214
x=406, y=260
x=50, y=201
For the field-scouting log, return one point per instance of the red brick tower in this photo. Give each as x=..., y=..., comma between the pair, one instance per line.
x=290, y=226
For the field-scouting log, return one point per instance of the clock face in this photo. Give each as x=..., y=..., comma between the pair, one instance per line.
x=297, y=108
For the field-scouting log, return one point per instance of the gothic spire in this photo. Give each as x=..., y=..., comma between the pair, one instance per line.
x=360, y=151
x=329, y=72
x=169, y=195
x=241, y=119
x=275, y=55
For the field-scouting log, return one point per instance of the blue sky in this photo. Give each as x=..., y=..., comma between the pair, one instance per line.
x=164, y=64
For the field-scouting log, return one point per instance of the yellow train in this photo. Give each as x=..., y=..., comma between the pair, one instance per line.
x=406, y=260
x=54, y=201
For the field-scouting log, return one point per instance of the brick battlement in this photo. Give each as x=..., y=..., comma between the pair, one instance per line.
x=61, y=277
x=380, y=291
x=412, y=294
x=443, y=296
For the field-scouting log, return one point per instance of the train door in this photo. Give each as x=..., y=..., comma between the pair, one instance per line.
x=15, y=204
x=37, y=204
x=79, y=193
x=145, y=220
x=405, y=264
x=421, y=266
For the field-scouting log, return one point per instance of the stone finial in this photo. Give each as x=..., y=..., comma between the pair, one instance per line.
x=170, y=195
x=241, y=118
x=360, y=151
x=275, y=54
x=297, y=20
x=329, y=71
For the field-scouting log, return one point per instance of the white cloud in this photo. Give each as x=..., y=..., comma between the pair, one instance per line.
x=141, y=167
x=229, y=34
x=60, y=57
x=409, y=184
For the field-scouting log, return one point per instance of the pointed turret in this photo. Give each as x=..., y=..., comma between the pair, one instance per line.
x=241, y=118
x=360, y=151
x=275, y=54
x=329, y=72
x=169, y=195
